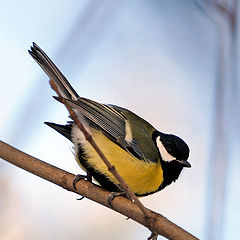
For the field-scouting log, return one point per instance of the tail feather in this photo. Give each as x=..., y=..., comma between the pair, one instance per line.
x=65, y=130
x=53, y=72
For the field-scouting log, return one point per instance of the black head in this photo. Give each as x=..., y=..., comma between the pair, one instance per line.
x=174, y=153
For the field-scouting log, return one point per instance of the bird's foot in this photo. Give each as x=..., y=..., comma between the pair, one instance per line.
x=112, y=195
x=79, y=177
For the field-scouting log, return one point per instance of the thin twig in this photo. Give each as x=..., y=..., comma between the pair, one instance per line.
x=162, y=225
x=110, y=167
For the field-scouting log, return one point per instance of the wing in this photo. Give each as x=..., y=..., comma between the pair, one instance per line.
x=113, y=123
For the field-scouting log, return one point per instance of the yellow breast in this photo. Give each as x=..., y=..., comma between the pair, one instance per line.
x=142, y=176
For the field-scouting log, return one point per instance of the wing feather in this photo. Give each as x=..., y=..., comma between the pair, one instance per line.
x=111, y=121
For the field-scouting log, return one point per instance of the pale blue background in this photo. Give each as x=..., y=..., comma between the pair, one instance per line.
x=157, y=58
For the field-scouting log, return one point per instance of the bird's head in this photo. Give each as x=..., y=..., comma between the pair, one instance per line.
x=173, y=152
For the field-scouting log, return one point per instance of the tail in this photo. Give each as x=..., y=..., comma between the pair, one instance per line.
x=65, y=130
x=53, y=72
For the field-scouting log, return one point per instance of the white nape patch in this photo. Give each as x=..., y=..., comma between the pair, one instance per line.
x=128, y=130
x=167, y=157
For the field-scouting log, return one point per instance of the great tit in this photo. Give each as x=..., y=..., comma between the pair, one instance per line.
x=147, y=159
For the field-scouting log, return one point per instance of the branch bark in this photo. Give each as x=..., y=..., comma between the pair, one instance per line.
x=160, y=224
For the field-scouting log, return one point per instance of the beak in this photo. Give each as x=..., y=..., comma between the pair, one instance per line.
x=184, y=163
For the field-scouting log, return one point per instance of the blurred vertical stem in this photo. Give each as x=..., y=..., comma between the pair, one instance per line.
x=226, y=95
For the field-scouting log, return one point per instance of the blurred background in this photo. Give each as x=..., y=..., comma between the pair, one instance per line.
x=174, y=63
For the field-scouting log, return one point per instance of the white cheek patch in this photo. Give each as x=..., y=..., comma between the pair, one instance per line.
x=164, y=154
x=128, y=136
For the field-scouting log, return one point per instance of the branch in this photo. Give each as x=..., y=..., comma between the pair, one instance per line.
x=160, y=224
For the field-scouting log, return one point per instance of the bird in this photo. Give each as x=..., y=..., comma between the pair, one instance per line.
x=147, y=159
